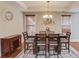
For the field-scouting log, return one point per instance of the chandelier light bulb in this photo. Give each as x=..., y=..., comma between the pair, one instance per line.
x=48, y=16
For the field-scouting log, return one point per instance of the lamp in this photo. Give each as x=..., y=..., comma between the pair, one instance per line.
x=48, y=17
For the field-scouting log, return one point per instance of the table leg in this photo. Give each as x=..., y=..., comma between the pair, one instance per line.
x=47, y=48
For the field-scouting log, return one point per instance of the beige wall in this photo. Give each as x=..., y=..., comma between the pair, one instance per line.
x=10, y=27
x=75, y=27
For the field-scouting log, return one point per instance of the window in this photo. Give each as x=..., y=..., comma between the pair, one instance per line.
x=30, y=24
x=66, y=23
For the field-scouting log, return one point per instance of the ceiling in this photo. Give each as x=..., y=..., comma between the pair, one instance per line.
x=55, y=6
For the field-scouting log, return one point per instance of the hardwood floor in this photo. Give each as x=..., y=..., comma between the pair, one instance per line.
x=75, y=45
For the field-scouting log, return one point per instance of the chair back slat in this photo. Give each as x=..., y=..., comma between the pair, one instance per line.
x=41, y=36
x=54, y=37
x=25, y=35
x=68, y=35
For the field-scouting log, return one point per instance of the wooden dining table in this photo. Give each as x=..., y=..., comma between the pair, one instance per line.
x=47, y=44
x=61, y=36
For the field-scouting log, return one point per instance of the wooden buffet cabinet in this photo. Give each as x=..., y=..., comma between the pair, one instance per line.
x=10, y=44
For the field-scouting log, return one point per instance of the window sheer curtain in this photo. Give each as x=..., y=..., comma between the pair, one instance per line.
x=30, y=24
x=66, y=24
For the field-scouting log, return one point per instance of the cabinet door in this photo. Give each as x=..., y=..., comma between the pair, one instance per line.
x=15, y=44
x=5, y=46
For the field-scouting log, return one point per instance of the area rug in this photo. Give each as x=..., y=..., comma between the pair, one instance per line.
x=64, y=54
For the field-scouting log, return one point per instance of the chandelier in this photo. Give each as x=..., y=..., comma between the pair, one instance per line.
x=48, y=16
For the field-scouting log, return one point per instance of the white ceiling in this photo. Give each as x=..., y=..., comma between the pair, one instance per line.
x=55, y=6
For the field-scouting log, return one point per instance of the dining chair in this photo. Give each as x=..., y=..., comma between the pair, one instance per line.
x=42, y=32
x=65, y=42
x=51, y=32
x=40, y=43
x=28, y=43
x=54, y=44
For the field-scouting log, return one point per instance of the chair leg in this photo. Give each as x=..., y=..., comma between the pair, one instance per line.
x=24, y=51
x=68, y=48
x=57, y=56
x=24, y=48
x=58, y=51
x=36, y=55
x=61, y=45
x=27, y=46
x=45, y=51
x=48, y=48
